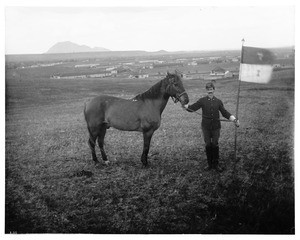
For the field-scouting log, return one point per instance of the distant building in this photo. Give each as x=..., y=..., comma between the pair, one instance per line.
x=169, y=64
x=73, y=77
x=228, y=74
x=139, y=75
x=184, y=76
x=202, y=61
x=151, y=61
x=96, y=75
x=214, y=58
x=110, y=68
x=181, y=60
x=100, y=75
x=86, y=65
x=194, y=63
x=219, y=72
x=55, y=77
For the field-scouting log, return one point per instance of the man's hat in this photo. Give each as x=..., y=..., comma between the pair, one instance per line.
x=210, y=85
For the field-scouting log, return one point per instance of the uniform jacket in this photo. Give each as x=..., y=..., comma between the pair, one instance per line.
x=210, y=112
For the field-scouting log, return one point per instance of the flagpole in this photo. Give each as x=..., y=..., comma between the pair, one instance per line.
x=237, y=104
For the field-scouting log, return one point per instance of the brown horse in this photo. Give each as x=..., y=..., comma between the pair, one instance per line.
x=142, y=113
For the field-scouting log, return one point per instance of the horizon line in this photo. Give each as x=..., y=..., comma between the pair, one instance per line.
x=176, y=51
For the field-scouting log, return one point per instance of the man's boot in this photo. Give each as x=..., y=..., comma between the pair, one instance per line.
x=215, y=159
x=208, y=150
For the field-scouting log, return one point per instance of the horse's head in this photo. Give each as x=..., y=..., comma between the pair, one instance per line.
x=175, y=88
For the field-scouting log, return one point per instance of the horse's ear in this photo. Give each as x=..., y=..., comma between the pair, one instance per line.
x=168, y=74
x=178, y=73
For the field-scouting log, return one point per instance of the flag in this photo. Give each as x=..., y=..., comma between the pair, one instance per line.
x=256, y=65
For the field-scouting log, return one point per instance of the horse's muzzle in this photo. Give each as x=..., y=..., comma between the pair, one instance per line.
x=183, y=98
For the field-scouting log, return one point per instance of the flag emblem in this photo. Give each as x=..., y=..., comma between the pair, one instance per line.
x=260, y=56
x=256, y=65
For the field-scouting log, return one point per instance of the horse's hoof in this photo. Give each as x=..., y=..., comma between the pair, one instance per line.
x=106, y=163
x=145, y=164
x=97, y=163
x=84, y=173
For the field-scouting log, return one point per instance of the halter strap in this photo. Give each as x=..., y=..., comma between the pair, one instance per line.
x=184, y=92
x=176, y=98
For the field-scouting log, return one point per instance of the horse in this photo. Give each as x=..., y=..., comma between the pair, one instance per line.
x=141, y=113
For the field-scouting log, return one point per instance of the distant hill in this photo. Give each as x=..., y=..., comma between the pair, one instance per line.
x=70, y=47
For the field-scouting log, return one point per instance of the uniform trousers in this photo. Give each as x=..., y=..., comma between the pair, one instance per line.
x=211, y=137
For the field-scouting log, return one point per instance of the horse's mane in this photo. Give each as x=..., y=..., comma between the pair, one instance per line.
x=152, y=93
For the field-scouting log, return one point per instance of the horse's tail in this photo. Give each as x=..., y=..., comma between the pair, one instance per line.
x=86, y=120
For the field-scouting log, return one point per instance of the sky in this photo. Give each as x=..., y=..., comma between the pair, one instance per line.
x=32, y=29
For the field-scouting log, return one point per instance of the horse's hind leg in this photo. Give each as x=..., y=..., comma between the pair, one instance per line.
x=92, y=143
x=101, y=136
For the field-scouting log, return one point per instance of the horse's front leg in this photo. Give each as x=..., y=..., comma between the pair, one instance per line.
x=147, y=139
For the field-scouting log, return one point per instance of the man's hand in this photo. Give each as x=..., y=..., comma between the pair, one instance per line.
x=236, y=121
x=186, y=106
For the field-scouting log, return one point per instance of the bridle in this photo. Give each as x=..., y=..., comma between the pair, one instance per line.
x=177, y=97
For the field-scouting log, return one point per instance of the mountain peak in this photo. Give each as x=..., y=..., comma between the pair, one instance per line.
x=70, y=47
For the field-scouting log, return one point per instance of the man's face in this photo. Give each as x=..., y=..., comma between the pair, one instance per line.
x=210, y=92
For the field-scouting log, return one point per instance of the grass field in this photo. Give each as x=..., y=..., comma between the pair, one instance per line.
x=52, y=185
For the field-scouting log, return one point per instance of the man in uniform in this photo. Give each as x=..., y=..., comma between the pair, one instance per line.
x=211, y=126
